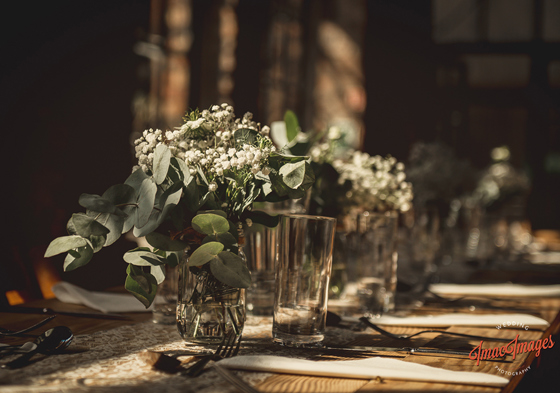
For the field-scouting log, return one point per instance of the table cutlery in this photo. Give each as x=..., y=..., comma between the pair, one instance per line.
x=409, y=336
x=6, y=332
x=50, y=311
x=408, y=350
x=229, y=347
x=51, y=341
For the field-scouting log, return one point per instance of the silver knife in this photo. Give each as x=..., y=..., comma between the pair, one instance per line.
x=409, y=350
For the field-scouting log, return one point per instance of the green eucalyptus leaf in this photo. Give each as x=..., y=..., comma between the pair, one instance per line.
x=77, y=258
x=64, y=244
x=71, y=228
x=162, y=159
x=165, y=205
x=231, y=270
x=293, y=174
x=250, y=196
x=120, y=194
x=163, y=242
x=141, y=257
x=86, y=226
x=298, y=177
x=112, y=222
x=210, y=224
x=97, y=203
x=226, y=238
x=151, y=225
x=174, y=257
x=218, y=212
x=169, y=199
x=97, y=242
x=292, y=125
x=300, y=148
x=192, y=195
x=136, y=179
x=158, y=272
x=180, y=171
x=277, y=160
x=205, y=253
x=146, y=200
x=141, y=284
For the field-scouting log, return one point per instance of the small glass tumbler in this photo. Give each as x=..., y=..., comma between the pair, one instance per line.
x=302, y=280
x=261, y=252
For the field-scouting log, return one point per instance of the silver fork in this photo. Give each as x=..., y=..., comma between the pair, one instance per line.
x=229, y=347
x=409, y=336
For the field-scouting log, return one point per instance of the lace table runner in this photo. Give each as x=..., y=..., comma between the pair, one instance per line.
x=111, y=360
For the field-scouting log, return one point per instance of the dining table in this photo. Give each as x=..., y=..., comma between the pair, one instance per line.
x=112, y=354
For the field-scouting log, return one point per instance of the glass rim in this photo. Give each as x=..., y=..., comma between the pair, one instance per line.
x=308, y=217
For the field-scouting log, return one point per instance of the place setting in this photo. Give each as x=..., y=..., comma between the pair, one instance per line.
x=259, y=264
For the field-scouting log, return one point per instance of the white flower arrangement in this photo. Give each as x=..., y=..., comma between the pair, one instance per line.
x=377, y=183
x=192, y=189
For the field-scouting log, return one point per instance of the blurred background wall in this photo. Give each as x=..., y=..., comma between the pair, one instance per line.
x=81, y=79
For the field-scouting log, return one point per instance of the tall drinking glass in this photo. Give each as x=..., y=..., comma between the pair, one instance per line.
x=302, y=279
x=377, y=264
x=261, y=251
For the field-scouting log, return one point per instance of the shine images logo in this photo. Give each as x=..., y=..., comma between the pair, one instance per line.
x=513, y=348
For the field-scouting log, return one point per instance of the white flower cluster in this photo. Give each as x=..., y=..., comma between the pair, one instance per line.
x=324, y=151
x=206, y=142
x=378, y=184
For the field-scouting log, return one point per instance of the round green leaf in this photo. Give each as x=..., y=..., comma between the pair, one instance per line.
x=218, y=212
x=86, y=226
x=162, y=159
x=64, y=244
x=97, y=242
x=140, y=257
x=96, y=203
x=146, y=200
x=231, y=269
x=226, y=238
x=174, y=257
x=210, y=224
x=141, y=284
x=158, y=272
x=77, y=258
x=205, y=253
x=292, y=125
x=114, y=223
x=163, y=242
x=293, y=174
x=135, y=179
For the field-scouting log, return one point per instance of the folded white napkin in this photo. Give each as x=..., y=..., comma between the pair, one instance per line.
x=103, y=301
x=545, y=258
x=362, y=368
x=505, y=289
x=458, y=319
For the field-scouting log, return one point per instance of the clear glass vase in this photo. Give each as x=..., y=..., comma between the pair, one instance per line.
x=207, y=309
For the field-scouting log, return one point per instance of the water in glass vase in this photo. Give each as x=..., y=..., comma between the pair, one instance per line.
x=207, y=310
x=207, y=323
